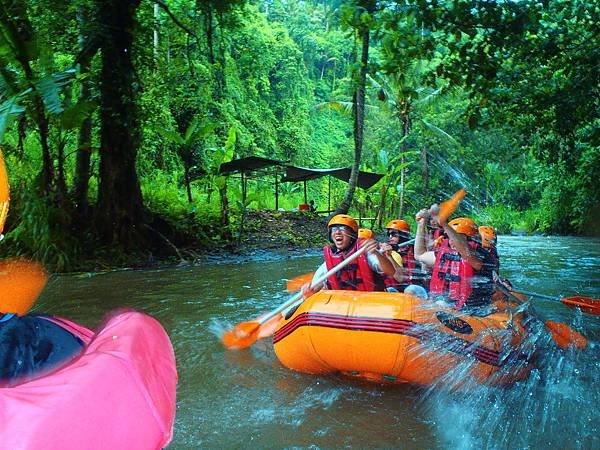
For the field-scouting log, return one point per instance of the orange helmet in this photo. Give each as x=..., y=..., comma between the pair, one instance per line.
x=365, y=233
x=464, y=225
x=488, y=236
x=343, y=219
x=398, y=224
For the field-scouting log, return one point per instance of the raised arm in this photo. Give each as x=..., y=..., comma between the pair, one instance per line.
x=421, y=252
x=459, y=242
x=384, y=264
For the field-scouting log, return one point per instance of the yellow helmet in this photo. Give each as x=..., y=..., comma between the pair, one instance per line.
x=488, y=236
x=399, y=225
x=464, y=225
x=343, y=219
x=365, y=233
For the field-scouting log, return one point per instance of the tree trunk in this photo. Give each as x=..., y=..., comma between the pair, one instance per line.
x=84, y=154
x=84, y=147
x=48, y=166
x=358, y=113
x=22, y=133
x=405, y=121
x=17, y=31
x=61, y=142
x=425, y=171
x=155, y=34
x=225, y=213
x=209, y=31
x=382, y=200
x=188, y=187
x=119, y=212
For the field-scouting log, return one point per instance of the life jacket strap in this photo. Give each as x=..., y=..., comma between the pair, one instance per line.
x=448, y=277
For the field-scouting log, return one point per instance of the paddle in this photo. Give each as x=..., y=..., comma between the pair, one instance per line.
x=296, y=283
x=447, y=208
x=586, y=304
x=245, y=334
x=561, y=333
x=4, y=193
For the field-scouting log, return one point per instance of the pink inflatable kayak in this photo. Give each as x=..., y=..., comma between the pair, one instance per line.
x=119, y=394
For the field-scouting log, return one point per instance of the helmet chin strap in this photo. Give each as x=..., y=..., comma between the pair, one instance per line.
x=352, y=236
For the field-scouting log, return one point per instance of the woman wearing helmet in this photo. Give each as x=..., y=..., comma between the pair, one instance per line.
x=402, y=258
x=365, y=274
x=457, y=262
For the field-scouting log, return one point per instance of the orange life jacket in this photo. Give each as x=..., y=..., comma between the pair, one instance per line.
x=356, y=276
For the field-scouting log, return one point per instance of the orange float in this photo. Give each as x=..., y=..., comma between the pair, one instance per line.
x=398, y=338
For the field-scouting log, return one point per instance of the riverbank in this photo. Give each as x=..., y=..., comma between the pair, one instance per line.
x=265, y=236
x=269, y=235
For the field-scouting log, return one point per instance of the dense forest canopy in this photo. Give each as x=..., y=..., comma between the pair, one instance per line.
x=116, y=115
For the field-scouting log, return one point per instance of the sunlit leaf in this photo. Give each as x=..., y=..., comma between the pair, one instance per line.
x=171, y=136
x=9, y=110
x=439, y=132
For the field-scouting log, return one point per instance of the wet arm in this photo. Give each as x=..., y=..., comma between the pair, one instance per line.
x=308, y=289
x=421, y=253
x=460, y=244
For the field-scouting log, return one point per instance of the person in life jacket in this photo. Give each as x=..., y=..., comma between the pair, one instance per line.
x=366, y=273
x=365, y=233
x=402, y=257
x=434, y=231
x=457, y=263
x=491, y=262
x=488, y=241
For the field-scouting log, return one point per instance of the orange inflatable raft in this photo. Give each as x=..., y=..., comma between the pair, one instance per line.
x=398, y=338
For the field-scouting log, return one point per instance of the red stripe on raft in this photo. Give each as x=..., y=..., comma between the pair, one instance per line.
x=396, y=326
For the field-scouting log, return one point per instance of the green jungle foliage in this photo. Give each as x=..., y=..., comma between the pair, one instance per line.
x=114, y=131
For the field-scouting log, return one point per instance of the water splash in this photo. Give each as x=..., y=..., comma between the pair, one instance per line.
x=218, y=327
x=557, y=401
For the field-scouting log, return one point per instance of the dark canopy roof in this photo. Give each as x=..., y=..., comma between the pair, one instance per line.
x=295, y=174
x=248, y=164
x=365, y=179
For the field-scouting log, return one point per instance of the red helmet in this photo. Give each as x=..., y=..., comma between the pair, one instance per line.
x=464, y=225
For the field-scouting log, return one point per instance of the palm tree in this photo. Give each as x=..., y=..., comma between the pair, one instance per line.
x=404, y=94
x=362, y=16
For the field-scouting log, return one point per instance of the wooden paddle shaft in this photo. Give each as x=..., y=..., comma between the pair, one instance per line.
x=533, y=294
x=404, y=244
x=297, y=298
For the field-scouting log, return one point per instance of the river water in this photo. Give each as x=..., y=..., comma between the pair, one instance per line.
x=243, y=399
